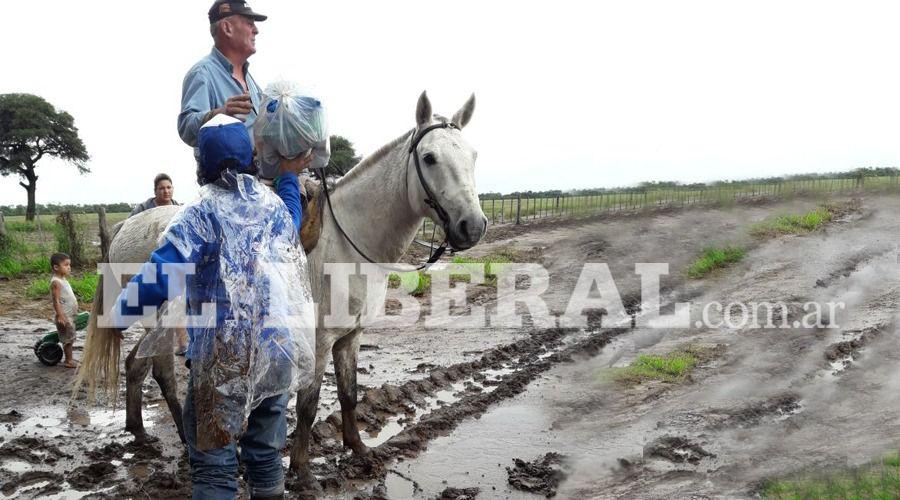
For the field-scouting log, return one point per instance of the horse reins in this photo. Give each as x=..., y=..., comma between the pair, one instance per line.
x=429, y=200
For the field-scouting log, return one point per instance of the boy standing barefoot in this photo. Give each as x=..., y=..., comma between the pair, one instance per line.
x=65, y=305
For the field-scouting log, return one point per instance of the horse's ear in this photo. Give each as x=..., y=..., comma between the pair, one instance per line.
x=462, y=117
x=423, y=111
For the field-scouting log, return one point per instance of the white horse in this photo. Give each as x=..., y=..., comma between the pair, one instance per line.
x=380, y=205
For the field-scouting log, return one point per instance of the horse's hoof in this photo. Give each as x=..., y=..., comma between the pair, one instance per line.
x=361, y=450
x=305, y=485
x=143, y=438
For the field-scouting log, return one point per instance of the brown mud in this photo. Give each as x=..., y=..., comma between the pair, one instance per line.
x=541, y=476
x=448, y=410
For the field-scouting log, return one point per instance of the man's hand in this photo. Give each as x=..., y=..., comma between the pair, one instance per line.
x=297, y=165
x=237, y=106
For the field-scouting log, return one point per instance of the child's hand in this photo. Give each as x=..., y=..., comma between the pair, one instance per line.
x=297, y=164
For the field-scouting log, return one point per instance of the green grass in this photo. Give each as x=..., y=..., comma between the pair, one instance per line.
x=415, y=282
x=418, y=282
x=22, y=226
x=83, y=287
x=668, y=368
x=715, y=258
x=48, y=220
x=503, y=256
x=39, y=264
x=10, y=268
x=18, y=257
x=793, y=224
x=675, y=366
x=879, y=480
x=35, y=241
x=535, y=206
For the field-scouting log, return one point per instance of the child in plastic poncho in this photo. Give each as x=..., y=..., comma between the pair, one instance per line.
x=255, y=345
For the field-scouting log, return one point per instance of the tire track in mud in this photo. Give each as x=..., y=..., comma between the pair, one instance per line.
x=689, y=441
x=380, y=405
x=520, y=363
x=852, y=341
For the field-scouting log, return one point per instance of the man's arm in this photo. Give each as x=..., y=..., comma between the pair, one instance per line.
x=196, y=103
x=197, y=106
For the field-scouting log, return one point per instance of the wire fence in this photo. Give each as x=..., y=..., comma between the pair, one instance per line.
x=521, y=208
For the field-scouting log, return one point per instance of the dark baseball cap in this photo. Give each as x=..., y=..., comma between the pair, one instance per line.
x=223, y=8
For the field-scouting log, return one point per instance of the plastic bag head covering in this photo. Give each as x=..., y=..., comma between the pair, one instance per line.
x=258, y=339
x=224, y=145
x=289, y=125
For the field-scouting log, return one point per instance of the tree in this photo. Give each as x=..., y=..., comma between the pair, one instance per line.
x=31, y=129
x=343, y=156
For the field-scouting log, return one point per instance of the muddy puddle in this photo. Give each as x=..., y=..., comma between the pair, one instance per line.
x=523, y=413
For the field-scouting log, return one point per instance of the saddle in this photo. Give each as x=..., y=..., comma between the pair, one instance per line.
x=311, y=227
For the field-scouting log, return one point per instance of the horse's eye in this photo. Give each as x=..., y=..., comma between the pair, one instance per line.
x=429, y=159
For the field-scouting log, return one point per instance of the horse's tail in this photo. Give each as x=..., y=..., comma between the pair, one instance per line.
x=100, y=360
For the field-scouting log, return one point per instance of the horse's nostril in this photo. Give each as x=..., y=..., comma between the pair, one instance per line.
x=463, y=228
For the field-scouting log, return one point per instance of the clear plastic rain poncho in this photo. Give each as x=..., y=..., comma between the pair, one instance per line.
x=258, y=340
x=290, y=124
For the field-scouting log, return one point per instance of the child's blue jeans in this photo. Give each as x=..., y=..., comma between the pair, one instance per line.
x=214, y=472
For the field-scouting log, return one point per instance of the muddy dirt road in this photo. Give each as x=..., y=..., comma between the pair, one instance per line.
x=526, y=412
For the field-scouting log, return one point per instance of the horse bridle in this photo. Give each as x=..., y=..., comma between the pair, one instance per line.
x=429, y=200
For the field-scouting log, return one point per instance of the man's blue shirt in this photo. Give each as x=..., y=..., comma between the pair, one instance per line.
x=207, y=86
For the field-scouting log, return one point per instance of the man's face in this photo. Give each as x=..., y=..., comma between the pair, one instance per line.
x=163, y=191
x=243, y=34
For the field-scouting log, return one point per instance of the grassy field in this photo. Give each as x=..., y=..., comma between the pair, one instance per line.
x=511, y=209
x=879, y=480
x=27, y=254
x=499, y=211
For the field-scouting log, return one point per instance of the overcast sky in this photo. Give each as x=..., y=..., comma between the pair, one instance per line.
x=570, y=94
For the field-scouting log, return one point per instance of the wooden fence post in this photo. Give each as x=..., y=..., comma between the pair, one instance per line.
x=518, y=208
x=72, y=244
x=2, y=228
x=104, y=235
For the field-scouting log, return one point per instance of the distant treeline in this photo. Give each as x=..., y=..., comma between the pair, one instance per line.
x=53, y=208
x=658, y=185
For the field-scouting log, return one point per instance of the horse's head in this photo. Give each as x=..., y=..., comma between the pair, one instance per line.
x=442, y=185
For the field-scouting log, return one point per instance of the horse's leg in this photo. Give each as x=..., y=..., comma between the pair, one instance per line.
x=307, y=404
x=136, y=370
x=345, y=353
x=164, y=374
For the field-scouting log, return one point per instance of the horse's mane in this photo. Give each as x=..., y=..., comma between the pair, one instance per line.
x=375, y=157
x=381, y=152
